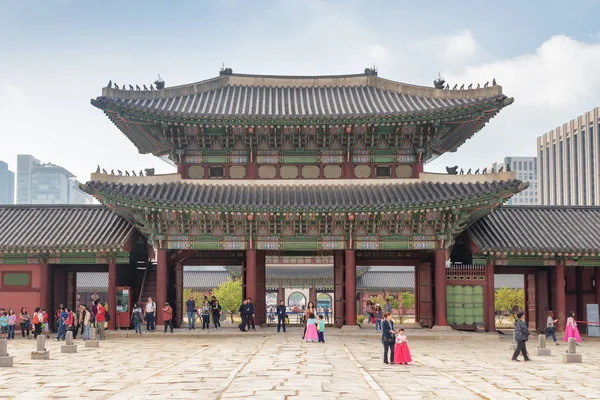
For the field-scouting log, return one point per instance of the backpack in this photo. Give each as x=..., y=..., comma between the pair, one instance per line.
x=106, y=316
x=35, y=318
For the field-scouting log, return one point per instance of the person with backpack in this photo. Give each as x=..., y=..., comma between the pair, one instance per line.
x=150, y=315
x=25, y=322
x=100, y=318
x=137, y=318
x=37, y=321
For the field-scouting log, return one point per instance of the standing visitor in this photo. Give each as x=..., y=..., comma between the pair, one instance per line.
x=310, y=309
x=137, y=318
x=86, y=319
x=522, y=335
x=378, y=317
x=369, y=311
x=62, y=324
x=281, y=311
x=250, y=314
x=402, y=352
x=387, y=338
x=216, y=314
x=167, y=315
x=4, y=325
x=12, y=321
x=100, y=318
x=190, y=306
x=550, y=330
x=387, y=307
x=37, y=321
x=212, y=305
x=205, y=312
x=24, y=321
x=311, y=329
x=571, y=330
x=242, y=311
x=321, y=329
x=46, y=323
x=150, y=315
x=327, y=314
x=80, y=319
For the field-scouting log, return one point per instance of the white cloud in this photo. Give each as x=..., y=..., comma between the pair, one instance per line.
x=449, y=51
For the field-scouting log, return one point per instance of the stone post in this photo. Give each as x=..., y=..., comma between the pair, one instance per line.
x=69, y=346
x=93, y=342
x=5, y=359
x=41, y=353
x=571, y=355
x=541, y=349
x=513, y=345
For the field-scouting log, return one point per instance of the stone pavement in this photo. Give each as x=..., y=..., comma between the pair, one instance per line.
x=268, y=366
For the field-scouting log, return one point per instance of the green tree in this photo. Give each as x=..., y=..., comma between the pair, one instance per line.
x=229, y=294
x=507, y=300
x=408, y=302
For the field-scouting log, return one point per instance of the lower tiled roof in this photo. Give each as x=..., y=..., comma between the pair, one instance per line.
x=403, y=281
x=56, y=227
x=539, y=228
x=322, y=197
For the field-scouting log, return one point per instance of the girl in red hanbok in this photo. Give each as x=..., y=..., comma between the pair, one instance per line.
x=401, y=351
x=571, y=330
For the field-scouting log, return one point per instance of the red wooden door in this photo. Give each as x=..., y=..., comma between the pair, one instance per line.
x=339, y=288
x=424, y=301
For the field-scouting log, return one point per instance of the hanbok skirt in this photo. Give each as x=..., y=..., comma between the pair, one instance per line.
x=402, y=353
x=311, y=334
x=571, y=332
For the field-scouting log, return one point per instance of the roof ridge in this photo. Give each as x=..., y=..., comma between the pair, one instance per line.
x=44, y=206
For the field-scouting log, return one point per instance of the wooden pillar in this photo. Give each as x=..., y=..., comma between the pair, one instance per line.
x=161, y=283
x=580, y=310
x=250, y=283
x=259, y=300
x=541, y=297
x=182, y=170
x=312, y=294
x=440, y=288
x=339, y=295
x=179, y=294
x=597, y=284
x=350, y=275
x=348, y=170
x=490, y=307
x=561, y=304
x=251, y=170
x=530, y=306
x=112, y=293
x=417, y=169
x=45, y=288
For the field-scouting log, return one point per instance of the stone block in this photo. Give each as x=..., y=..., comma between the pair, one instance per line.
x=69, y=338
x=569, y=358
x=441, y=328
x=68, y=348
x=541, y=341
x=6, y=361
x=40, y=355
x=543, y=352
x=92, y=343
x=512, y=346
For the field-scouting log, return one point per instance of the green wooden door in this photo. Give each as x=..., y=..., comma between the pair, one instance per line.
x=464, y=304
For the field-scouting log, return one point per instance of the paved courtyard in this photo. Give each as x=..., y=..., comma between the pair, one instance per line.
x=267, y=366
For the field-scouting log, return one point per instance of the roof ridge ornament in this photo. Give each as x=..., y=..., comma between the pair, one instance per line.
x=160, y=84
x=439, y=82
x=371, y=71
x=225, y=70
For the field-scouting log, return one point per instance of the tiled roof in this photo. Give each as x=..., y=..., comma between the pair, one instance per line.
x=56, y=227
x=509, y=281
x=539, y=228
x=92, y=281
x=386, y=281
x=204, y=280
x=351, y=196
x=289, y=97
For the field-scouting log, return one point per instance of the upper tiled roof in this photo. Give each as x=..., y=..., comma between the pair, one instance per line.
x=204, y=280
x=404, y=281
x=240, y=95
x=539, y=228
x=56, y=227
x=353, y=195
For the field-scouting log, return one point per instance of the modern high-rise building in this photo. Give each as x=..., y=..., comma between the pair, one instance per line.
x=7, y=184
x=526, y=169
x=568, y=158
x=39, y=183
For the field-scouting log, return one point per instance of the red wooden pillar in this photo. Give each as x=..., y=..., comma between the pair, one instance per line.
x=347, y=170
x=417, y=169
x=561, y=304
x=182, y=170
x=531, y=306
x=179, y=294
x=597, y=284
x=440, y=288
x=112, y=293
x=45, y=288
x=250, y=283
x=259, y=300
x=339, y=297
x=490, y=307
x=161, y=283
x=350, y=275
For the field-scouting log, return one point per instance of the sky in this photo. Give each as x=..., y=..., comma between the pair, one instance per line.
x=56, y=55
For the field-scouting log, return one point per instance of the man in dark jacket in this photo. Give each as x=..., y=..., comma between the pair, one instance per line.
x=522, y=335
x=243, y=316
x=250, y=313
x=281, y=315
x=190, y=307
x=388, y=338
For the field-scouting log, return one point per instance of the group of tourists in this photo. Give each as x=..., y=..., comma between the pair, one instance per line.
x=247, y=314
x=314, y=329
x=31, y=325
x=209, y=310
x=375, y=313
x=394, y=342
x=522, y=333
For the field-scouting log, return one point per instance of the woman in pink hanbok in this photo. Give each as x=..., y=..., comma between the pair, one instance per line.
x=311, y=329
x=401, y=351
x=571, y=330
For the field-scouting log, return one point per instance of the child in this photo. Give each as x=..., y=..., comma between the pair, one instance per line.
x=12, y=322
x=321, y=330
x=4, y=325
x=378, y=317
x=401, y=352
x=311, y=329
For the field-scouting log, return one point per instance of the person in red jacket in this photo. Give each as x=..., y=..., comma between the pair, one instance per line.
x=100, y=318
x=167, y=313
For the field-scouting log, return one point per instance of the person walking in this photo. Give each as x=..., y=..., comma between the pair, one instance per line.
x=190, y=306
x=100, y=318
x=378, y=317
x=216, y=314
x=167, y=314
x=150, y=315
x=12, y=322
x=205, y=312
x=243, y=315
x=571, y=330
x=281, y=312
x=369, y=311
x=522, y=335
x=387, y=338
x=550, y=330
x=24, y=321
x=250, y=314
x=137, y=318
